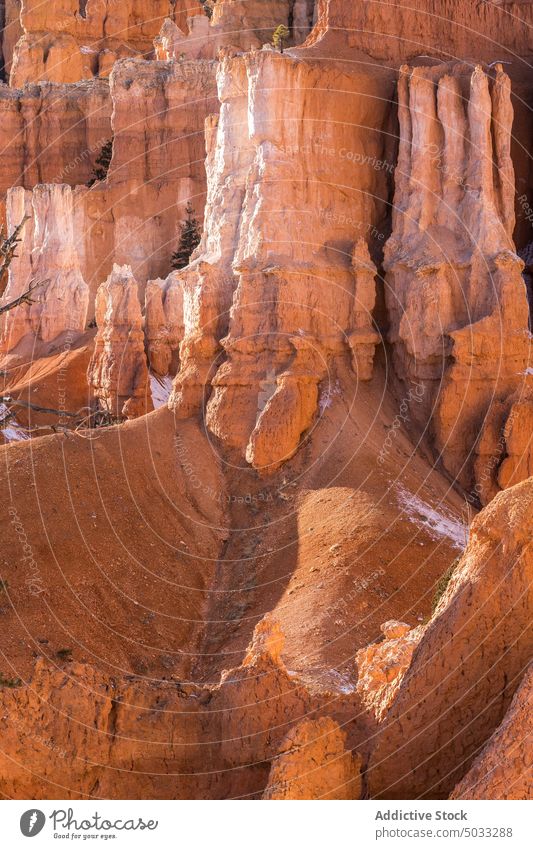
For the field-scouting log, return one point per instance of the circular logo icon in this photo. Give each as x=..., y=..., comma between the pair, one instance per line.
x=32, y=822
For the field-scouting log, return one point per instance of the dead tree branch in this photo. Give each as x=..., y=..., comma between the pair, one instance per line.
x=25, y=298
x=8, y=246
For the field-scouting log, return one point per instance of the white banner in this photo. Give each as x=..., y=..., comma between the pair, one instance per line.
x=267, y=825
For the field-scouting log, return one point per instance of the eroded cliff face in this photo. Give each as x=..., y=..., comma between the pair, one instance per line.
x=468, y=663
x=232, y=595
x=282, y=283
x=117, y=372
x=455, y=294
x=400, y=30
x=502, y=769
x=69, y=41
x=48, y=261
x=156, y=739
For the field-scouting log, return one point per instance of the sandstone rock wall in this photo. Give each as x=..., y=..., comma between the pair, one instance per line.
x=52, y=133
x=122, y=737
x=10, y=32
x=118, y=373
x=468, y=663
x=47, y=255
x=282, y=282
x=164, y=324
x=502, y=770
x=455, y=294
x=313, y=763
x=399, y=30
x=64, y=43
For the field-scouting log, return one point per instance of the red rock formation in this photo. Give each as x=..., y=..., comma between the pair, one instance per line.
x=63, y=44
x=158, y=159
x=47, y=256
x=468, y=663
x=10, y=32
x=127, y=737
x=455, y=294
x=312, y=763
x=505, y=451
x=400, y=30
x=381, y=666
x=118, y=373
x=502, y=770
x=267, y=358
x=163, y=326
x=52, y=133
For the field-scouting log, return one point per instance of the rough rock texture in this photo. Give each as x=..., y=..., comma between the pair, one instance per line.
x=400, y=30
x=154, y=739
x=236, y=25
x=503, y=768
x=468, y=663
x=63, y=44
x=312, y=763
x=158, y=160
x=269, y=356
x=46, y=255
x=381, y=666
x=504, y=452
x=455, y=293
x=52, y=133
x=118, y=373
x=10, y=32
x=193, y=599
x=163, y=326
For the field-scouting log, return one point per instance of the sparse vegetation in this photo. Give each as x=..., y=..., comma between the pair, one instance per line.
x=189, y=240
x=280, y=36
x=102, y=164
x=3, y=586
x=442, y=584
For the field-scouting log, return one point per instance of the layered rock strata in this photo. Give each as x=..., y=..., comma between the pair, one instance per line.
x=401, y=30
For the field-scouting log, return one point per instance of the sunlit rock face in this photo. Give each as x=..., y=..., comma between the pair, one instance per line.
x=455, y=294
x=468, y=662
x=118, y=373
x=47, y=258
x=164, y=323
x=282, y=283
x=68, y=40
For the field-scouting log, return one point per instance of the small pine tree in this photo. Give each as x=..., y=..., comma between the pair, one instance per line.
x=103, y=161
x=280, y=35
x=189, y=240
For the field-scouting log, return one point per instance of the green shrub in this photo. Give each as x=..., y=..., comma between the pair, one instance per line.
x=442, y=584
